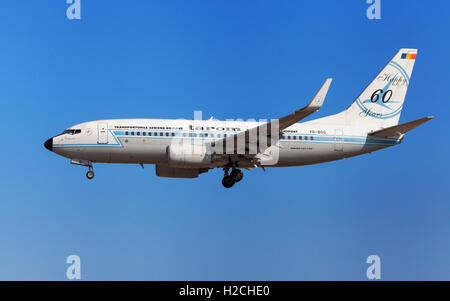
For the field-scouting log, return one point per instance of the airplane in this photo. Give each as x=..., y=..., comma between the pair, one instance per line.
x=187, y=148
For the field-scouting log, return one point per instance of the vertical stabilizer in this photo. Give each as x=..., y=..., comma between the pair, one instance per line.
x=381, y=102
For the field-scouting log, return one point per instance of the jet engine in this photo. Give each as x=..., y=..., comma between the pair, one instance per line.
x=185, y=155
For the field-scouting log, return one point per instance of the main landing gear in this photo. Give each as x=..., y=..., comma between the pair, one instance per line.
x=229, y=179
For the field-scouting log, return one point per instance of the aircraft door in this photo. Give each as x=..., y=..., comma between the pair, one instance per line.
x=102, y=133
x=338, y=140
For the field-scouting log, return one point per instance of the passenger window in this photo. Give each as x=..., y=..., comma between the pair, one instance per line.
x=126, y=133
x=132, y=133
x=299, y=137
x=144, y=133
x=138, y=133
x=219, y=135
x=173, y=134
x=212, y=135
x=294, y=137
x=306, y=137
x=311, y=138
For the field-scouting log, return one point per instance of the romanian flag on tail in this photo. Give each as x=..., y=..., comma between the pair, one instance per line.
x=409, y=56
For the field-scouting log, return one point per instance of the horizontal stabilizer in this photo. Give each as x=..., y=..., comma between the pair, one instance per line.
x=401, y=129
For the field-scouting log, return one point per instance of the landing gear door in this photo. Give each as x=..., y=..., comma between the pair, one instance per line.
x=338, y=140
x=102, y=133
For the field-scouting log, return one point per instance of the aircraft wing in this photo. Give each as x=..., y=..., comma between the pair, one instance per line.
x=250, y=141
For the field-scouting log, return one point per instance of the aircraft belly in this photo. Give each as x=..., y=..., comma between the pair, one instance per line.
x=142, y=151
x=305, y=153
x=294, y=153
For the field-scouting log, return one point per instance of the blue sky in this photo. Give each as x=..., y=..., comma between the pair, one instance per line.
x=230, y=59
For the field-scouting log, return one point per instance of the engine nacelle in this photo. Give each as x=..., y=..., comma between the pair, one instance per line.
x=185, y=154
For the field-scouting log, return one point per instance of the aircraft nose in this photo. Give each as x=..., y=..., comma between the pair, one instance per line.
x=49, y=144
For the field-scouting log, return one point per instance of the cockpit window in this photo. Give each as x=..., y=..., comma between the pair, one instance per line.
x=72, y=132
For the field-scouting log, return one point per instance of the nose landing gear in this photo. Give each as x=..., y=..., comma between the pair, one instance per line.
x=235, y=176
x=90, y=173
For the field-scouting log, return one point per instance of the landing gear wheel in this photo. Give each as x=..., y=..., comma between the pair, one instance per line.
x=228, y=182
x=237, y=175
x=90, y=174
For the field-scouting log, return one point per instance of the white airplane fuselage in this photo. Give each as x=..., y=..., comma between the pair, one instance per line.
x=145, y=141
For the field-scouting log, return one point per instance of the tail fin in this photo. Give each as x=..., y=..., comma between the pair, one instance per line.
x=381, y=102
